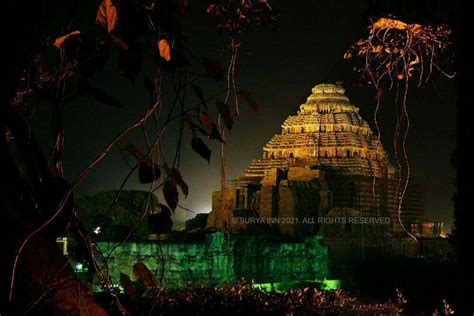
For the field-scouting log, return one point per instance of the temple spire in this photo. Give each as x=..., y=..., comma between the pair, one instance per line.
x=327, y=132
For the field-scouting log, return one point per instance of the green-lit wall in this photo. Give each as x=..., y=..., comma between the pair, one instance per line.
x=219, y=258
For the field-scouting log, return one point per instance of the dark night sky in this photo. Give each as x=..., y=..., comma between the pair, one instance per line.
x=279, y=68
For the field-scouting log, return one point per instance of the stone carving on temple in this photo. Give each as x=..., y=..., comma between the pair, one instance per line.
x=325, y=162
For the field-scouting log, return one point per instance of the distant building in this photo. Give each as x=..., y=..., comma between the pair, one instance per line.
x=427, y=229
x=326, y=164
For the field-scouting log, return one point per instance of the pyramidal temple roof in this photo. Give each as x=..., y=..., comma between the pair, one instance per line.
x=326, y=133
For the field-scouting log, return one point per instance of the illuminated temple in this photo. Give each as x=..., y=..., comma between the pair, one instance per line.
x=326, y=163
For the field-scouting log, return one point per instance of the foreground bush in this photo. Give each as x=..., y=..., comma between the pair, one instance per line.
x=242, y=298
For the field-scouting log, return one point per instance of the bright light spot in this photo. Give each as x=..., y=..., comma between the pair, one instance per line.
x=97, y=230
x=281, y=287
x=79, y=266
x=330, y=284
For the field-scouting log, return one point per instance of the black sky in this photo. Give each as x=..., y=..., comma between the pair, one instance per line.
x=280, y=68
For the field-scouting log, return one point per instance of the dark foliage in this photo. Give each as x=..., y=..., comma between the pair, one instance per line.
x=117, y=221
x=243, y=299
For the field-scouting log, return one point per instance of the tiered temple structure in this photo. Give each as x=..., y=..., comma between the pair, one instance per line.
x=326, y=164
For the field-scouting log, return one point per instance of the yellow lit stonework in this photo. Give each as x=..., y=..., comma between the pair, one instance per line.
x=326, y=160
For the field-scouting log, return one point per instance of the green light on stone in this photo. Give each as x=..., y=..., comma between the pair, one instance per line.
x=280, y=287
x=267, y=287
x=328, y=285
x=217, y=259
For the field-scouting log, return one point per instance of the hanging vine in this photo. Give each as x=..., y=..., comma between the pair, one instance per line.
x=396, y=53
x=235, y=17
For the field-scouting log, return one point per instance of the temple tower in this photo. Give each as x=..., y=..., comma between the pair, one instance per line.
x=326, y=162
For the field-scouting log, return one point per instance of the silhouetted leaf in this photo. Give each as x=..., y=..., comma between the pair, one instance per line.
x=92, y=55
x=216, y=134
x=107, y=15
x=130, y=62
x=134, y=151
x=224, y=111
x=144, y=274
x=149, y=85
x=199, y=129
x=170, y=192
x=161, y=223
x=176, y=177
x=249, y=98
x=213, y=69
x=127, y=286
x=206, y=122
x=191, y=125
x=164, y=49
x=104, y=97
x=118, y=42
x=198, y=91
x=148, y=172
x=60, y=40
x=167, y=18
x=82, y=85
x=201, y=148
x=212, y=131
x=200, y=94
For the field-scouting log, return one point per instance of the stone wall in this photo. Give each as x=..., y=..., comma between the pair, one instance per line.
x=219, y=258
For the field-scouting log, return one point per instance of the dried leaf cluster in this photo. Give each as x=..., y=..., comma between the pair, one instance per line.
x=396, y=50
x=237, y=16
